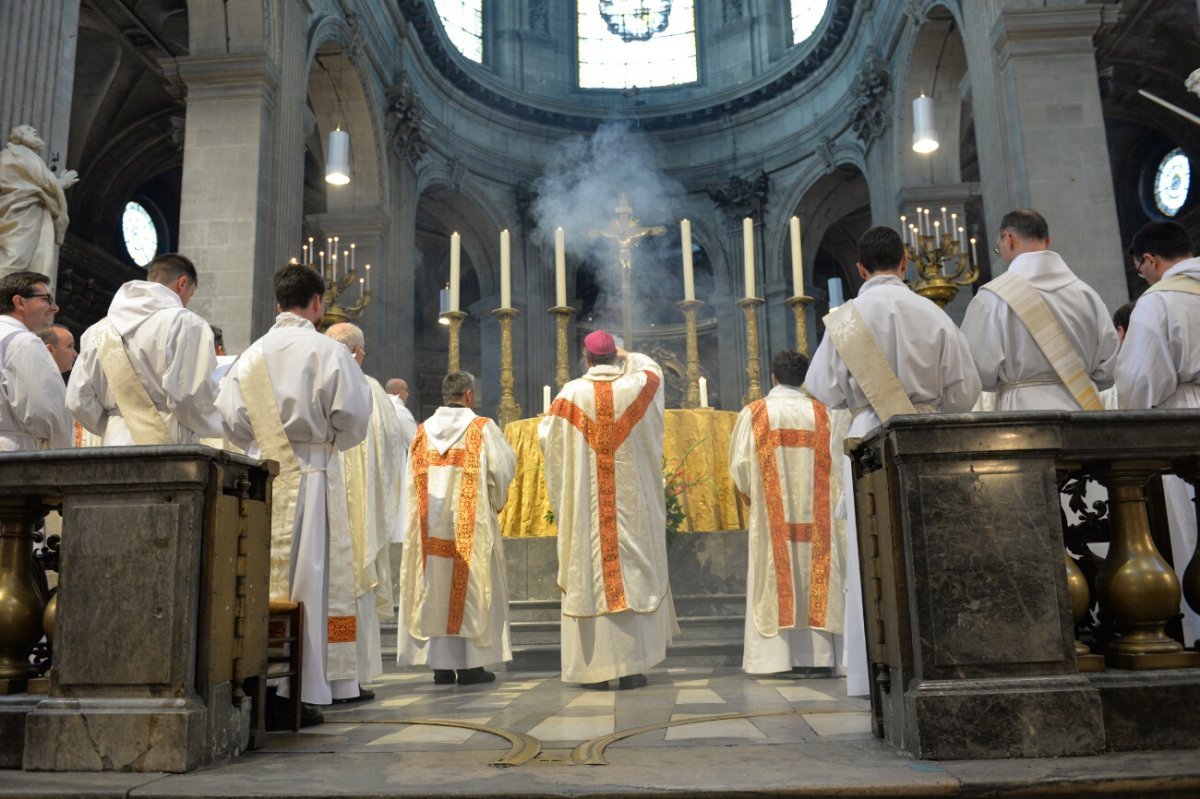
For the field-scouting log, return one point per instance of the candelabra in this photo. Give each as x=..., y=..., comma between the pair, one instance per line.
x=799, y=305
x=689, y=308
x=750, y=308
x=455, y=319
x=509, y=410
x=940, y=257
x=339, y=276
x=562, y=319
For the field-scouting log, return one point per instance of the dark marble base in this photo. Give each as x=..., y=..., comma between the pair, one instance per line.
x=999, y=718
x=14, y=710
x=1150, y=710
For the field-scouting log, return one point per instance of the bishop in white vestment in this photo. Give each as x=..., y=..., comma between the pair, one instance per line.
x=911, y=358
x=453, y=602
x=298, y=398
x=1159, y=365
x=602, y=442
x=780, y=461
x=145, y=372
x=33, y=407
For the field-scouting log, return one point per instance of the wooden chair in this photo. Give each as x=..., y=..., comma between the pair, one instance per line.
x=285, y=644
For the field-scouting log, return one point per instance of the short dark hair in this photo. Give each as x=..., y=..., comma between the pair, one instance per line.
x=1168, y=240
x=880, y=249
x=1027, y=224
x=20, y=284
x=789, y=367
x=296, y=285
x=593, y=359
x=455, y=384
x=1121, y=316
x=169, y=267
x=218, y=336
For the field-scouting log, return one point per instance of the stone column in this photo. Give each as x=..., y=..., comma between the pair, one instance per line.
x=396, y=281
x=535, y=332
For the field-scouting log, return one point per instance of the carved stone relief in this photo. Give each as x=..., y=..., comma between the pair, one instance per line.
x=404, y=120
x=741, y=197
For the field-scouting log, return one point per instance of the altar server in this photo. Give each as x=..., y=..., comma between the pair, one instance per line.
x=145, y=372
x=602, y=441
x=397, y=389
x=298, y=398
x=33, y=409
x=1159, y=364
x=780, y=461
x=1041, y=337
x=902, y=351
x=454, y=605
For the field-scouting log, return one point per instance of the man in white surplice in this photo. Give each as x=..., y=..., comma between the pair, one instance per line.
x=1078, y=332
x=373, y=474
x=297, y=397
x=145, y=372
x=453, y=602
x=602, y=441
x=911, y=357
x=397, y=390
x=780, y=461
x=1159, y=364
x=33, y=403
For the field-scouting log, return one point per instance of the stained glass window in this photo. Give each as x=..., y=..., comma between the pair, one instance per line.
x=463, y=21
x=806, y=16
x=141, y=236
x=642, y=43
x=1172, y=181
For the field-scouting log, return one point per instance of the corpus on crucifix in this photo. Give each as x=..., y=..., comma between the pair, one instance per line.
x=625, y=230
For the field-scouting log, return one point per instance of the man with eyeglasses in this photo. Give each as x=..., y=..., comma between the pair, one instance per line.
x=1041, y=337
x=145, y=372
x=33, y=408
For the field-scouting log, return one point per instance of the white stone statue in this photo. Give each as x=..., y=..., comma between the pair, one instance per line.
x=33, y=209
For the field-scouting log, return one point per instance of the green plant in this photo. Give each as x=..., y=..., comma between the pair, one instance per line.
x=676, y=482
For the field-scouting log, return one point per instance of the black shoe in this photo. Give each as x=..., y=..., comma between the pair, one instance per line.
x=475, y=676
x=812, y=671
x=443, y=676
x=310, y=715
x=596, y=686
x=364, y=695
x=631, y=681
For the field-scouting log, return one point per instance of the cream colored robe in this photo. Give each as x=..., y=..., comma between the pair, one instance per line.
x=780, y=456
x=602, y=443
x=453, y=601
x=33, y=212
x=33, y=405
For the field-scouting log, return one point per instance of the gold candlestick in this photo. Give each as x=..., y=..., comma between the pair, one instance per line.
x=799, y=305
x=509, y=410
x=456, y=319
x=692, y=398
x=562, y=318
x=754, y=389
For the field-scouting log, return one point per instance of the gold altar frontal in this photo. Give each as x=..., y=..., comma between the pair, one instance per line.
x=699, y=437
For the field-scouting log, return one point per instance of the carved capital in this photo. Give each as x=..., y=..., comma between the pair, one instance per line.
x=872, y=85
x=741, y=197
x=405, y=120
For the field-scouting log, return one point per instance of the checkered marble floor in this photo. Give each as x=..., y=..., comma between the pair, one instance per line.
x=563, y=716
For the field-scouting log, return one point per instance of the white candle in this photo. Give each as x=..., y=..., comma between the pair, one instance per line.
x=920, y=228
x=505, y=271
x=797, y=259
x=304, y=249
x=974, y=255
x=367, y=268
x=560, y=268
x=455, y=265
x=748, y=254
x=360, y=288
x=703, y=393
x=352, y=264
x=944, y=225
x=545, y=399
x=689, y=278
x=928, y=227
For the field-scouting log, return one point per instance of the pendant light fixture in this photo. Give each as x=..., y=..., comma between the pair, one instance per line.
x=337, y=160
x=924, y=133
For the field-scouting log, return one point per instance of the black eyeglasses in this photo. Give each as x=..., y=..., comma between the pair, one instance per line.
x=49, y=298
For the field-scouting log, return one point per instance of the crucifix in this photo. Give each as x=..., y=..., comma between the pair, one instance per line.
x=625, y=230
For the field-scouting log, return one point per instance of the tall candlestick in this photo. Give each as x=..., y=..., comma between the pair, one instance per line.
x=797, y=259
x=455, y=265
x=748, y=254
x=689, y=278
x=560, y=267
x=545, y=399
x=505, y=271
x=703, y=392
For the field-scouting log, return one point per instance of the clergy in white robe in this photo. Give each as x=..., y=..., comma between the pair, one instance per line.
x=1077, y=331
x=912, y=358
x=780, y=461
x=602, y=442
x=397, y=390
x=1159, y=365
x=145, y=372
x=297, y=397
x=33, y=402
x=453, y=601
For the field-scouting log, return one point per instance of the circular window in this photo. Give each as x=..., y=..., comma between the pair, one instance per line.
x=806, y=16
x=1171, y=182
x=140, y=233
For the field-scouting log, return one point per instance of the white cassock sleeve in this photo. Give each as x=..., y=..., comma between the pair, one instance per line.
x=502, y=464
x=1146, y=373
x=741, y=451
x=960, y=379
x=83, y=400
x=188, y=377
x=36, y=394
x=231, y=404
x=985, y=335
x=348, y=397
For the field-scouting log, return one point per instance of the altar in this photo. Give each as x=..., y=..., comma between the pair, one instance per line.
x=695, y=463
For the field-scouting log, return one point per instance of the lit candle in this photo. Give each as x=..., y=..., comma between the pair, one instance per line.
x=360, y=288
x=312, y=251
x=322, y=262
x=455, y=255
x=505, y=271
x=368, y=271
x=797, y=259
x=920, y=226
x=352, y=264
x=944, y=225
x=333, y=264
x=928, y=227
x=962, y=240
x=545, y=399
x=703, y=392
x=560, y=268
x=689, y=278
x=748, y=254
x=304, y=249
x=974, y=255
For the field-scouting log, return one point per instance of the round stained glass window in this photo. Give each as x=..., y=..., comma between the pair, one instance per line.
x=141, y=235
x=1171, y=182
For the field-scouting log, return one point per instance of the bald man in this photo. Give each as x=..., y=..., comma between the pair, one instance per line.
x=61, y=344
